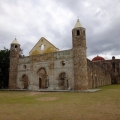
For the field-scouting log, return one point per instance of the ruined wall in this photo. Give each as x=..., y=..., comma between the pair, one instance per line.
x=113, y=67
x=97, y=75
x=54, y=64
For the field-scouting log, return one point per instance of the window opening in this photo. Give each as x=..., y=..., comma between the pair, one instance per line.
x=42, y=47
x=15, y=46
x=78, y=32
x=84, y=32
x=63, y=62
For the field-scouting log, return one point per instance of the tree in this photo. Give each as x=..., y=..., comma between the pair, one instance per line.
x=4, y=67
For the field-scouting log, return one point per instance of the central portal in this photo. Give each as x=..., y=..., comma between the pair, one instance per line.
x=25, y=81
x=40, y=83
x=43, y=81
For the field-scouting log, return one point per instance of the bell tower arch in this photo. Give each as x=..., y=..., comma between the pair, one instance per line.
x=79, y=57
x=14, y=59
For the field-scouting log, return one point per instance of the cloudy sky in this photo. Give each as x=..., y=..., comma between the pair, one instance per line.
x=29, y=20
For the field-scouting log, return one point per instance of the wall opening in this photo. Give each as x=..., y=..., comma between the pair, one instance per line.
x=84, y=32
x=40, y=83
x=63, y=81
x=78, y=32
x=92, y=81
x=42, y=47
x=63, y=63
x=25, y=81
x=42, y=78
x=16, y=47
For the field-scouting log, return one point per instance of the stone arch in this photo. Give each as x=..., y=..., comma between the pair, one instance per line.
x=92, y=81
x=96, y=81
x=25, y=81
x=63, y=81
x=43, y=78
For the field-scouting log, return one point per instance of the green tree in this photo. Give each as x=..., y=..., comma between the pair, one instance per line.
x=4, y=67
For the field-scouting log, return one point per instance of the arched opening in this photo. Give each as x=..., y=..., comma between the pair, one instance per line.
x=63, y=81
x=84, y=32
x=40, y=83
x=25, y=81
x=42, y=47
x=43, y=78
x=96, y=81
x=63, y=62
x=92, y=81
x=78, y=32
x=16, y=47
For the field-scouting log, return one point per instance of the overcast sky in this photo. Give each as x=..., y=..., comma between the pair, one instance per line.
x=29, y=20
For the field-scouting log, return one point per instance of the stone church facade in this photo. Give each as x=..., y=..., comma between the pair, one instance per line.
x=51, y=69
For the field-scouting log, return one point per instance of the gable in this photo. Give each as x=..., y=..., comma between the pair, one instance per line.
x=43, y=46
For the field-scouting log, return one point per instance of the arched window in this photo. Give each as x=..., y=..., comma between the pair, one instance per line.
x=12, y=46
x=84, y=32
x=25, y=81
x=15, y=46
x=78, y=32
x=42, y=47
x=63, y=63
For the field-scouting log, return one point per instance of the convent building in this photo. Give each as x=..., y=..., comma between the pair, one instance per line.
x=48, y=68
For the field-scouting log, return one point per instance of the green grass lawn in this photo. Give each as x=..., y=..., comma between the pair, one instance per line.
x=101, y=105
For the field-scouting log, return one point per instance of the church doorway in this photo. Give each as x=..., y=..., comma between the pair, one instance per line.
x=43, y=78
x=63, y=81
x=25, y=81
x=40, y=83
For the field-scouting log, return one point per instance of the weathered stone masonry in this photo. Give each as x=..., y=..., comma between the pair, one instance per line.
x=61, y=70
x=14, y=61
x=79, y=58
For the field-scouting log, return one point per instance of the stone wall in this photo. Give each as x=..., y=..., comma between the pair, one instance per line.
x=97, y=76
x=113, y=67
x=53, y=63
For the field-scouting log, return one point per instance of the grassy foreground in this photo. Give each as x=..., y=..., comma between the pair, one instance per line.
x=101, y=105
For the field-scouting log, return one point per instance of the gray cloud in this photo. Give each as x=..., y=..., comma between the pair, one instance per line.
x=30, y=20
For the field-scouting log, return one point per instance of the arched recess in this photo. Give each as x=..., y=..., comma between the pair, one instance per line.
x=43, y=78
x=25, y=81
x=63, y=81
x=96, y=81
x=93, y=82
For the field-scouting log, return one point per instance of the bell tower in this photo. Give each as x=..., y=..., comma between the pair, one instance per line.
x=79, y=57
x=14, y=59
